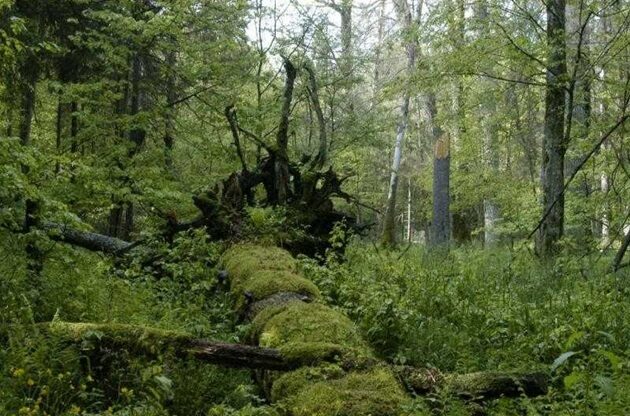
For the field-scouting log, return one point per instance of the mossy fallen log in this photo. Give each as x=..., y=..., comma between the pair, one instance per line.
x=305, y=360
x=343, y=376
x=152, y=341
x=313, y=331
x=475, y=386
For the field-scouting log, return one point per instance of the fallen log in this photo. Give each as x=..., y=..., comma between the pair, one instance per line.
x=357, y=382
x=151, y=341
x=481, y=385
x=86, y=239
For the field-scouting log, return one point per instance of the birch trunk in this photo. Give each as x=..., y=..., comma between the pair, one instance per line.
x=389, y=232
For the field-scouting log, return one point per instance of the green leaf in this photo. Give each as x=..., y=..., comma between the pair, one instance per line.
x=562, y=359
x=606, y=385
x=572, y=379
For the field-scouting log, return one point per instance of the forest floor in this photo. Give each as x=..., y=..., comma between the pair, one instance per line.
x=466, y=311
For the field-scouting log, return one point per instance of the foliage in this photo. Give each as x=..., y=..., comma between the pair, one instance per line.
x=493, y=309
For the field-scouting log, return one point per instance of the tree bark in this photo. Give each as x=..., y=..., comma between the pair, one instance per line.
x=281, y=192
x=169, y=116
x=554, y=143
x=86, y=239
x=441, y=225
x=622, y=251
x=35, y=261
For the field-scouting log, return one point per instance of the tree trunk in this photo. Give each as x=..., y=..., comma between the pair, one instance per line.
x=378, y=52
x=491, y=211
x=389, y=221
x=280, y=192
x=578, y=30
x=554, y=144
x=441, y=225
x=475, y=386
x=153, y=341
x=169, y=116
x=409, y=226
x=34, y=256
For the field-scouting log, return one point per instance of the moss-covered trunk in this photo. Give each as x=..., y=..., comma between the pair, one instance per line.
x=287, y=314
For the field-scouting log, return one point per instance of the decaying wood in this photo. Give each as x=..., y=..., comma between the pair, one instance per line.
x=291, y=317
x=151, y=341
x=302, y=188
x=474, y=386
x=85, y=239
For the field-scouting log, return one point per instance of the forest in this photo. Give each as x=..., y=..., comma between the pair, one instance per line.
x=314, y=207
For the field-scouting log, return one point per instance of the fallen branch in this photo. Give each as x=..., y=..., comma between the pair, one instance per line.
x=86, y=239
x=150, y=341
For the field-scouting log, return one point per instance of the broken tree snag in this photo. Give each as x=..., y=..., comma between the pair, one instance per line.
x=474, y=386
x=311, y=333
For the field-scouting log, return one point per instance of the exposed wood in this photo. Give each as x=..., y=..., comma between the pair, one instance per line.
x=86, y=239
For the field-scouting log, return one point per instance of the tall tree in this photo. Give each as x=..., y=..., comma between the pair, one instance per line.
x=491, y=211
x=407, y=22
x=554, y=142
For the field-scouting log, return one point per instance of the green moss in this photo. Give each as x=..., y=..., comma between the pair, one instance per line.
x=302, y=322
x=374, y=392
x=268, y=282
x=244, y=260
x=143, y=339
x=260, y=320
x=291, y=383
x=307, y=353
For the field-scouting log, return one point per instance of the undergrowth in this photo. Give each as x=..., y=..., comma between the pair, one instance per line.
x=478, y=309
x=467, y=310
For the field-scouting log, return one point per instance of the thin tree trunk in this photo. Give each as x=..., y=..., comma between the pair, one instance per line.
x=389, y=221
x=622, y=250
x=389, y=227
x=554, y=144
x=34, y=256
x=169, y=119
x=59, y=130
x=281, y=164
x=491, y=211
x=579, y=37
x=378, y=52
x=409, y=227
